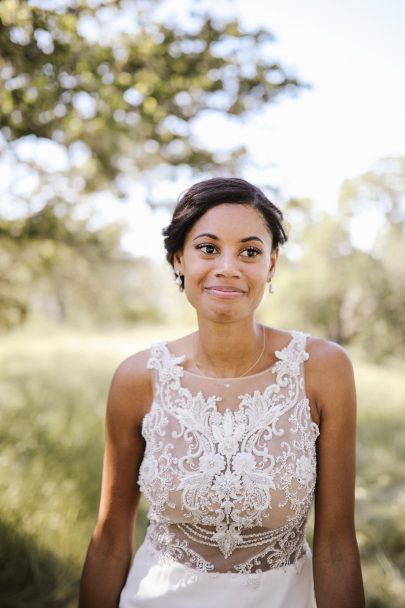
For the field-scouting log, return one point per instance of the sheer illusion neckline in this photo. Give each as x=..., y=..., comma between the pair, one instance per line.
x=279, y=355
x=229, y=473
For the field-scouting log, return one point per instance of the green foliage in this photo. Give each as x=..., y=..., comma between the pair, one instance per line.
x=54, y=264
x=380, y=192
x=53, y=391
x=48, y=581
x=53, y=402
x=380, y=482
x=327, y=284
x=320, y=290
x=379, y=189
x=129, y=96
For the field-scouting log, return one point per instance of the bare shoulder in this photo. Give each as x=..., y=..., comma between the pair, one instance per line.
x=130, y=393
x=134, y=368
x=329, y=375
x=327, y=357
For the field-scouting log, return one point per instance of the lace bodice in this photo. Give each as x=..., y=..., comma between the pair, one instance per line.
x=229, y=467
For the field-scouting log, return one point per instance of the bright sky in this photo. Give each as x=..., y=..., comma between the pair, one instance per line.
x=352, y=52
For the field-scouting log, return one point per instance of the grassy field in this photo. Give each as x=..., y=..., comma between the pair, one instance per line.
x=53, y=387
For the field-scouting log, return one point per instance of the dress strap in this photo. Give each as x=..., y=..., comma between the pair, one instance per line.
x=290, y=359
x=167, y=369
x=299, y=342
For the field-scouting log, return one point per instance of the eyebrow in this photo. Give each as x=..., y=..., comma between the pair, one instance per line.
x=210, y=236
x=251, y=238
x=215, y=238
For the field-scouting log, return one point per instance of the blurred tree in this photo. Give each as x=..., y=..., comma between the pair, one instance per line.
x=318, y=284
x=52, y=262
x=380, y=194
x=381, y=190
x=117, y=90
x=110, y=76
x=342, y=286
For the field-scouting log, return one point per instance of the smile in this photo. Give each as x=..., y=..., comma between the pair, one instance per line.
x=223, y=291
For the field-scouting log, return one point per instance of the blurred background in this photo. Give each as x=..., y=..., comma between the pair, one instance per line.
x=108, y=111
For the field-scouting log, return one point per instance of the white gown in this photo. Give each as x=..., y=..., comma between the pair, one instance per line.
x=229, y=473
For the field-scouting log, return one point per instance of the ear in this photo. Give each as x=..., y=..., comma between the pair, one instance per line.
x=273, y=263
x=178, y=262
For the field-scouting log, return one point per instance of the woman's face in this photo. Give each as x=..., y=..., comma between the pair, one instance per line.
x=226, y=261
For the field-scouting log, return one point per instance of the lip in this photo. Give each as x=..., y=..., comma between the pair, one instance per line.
x=224, y=291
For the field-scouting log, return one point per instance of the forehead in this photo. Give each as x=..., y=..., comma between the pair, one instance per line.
x=231, y=219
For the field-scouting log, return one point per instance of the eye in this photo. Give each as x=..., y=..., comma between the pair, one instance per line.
x=251, y=252
x=207, y=248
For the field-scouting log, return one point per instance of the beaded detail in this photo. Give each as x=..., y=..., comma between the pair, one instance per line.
x=229, y=478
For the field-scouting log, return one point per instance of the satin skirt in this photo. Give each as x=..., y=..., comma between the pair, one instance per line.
x=151, y=584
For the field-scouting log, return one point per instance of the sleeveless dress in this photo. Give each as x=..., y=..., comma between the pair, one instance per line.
x=229, y=473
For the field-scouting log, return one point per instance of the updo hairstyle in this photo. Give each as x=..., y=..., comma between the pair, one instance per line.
x=204, y=195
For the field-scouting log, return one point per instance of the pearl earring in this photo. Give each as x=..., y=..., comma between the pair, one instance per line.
x=271, y=288
x=179, y=281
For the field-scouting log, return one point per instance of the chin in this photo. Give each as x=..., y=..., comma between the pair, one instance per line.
x=224, y=314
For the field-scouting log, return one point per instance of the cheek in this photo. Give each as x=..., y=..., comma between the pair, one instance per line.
x=261, y=282
x=261, y=271
x=193, y=269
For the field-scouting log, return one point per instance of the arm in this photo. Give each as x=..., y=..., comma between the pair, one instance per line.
x=337, y=572
x=109, y=554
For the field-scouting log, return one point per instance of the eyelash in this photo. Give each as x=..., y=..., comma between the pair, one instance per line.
x=253, y=249
x=250, y=249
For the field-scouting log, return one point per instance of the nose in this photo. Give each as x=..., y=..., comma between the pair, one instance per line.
x=227, y=265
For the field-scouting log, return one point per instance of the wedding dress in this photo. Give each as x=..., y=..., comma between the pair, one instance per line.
x=229, y=473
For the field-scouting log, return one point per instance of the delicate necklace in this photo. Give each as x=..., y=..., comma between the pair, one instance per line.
x=227, y=385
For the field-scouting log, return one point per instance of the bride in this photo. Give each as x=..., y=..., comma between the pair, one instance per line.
x=229, y=432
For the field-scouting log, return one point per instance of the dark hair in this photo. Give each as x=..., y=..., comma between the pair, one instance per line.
x=212, y=192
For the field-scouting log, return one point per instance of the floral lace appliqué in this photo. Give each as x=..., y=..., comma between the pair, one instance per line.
x=234, y=485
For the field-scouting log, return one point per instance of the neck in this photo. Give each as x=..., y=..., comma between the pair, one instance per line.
x=228, y=350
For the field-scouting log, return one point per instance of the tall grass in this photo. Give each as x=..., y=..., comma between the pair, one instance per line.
x=53, y=389
x=381, y=482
